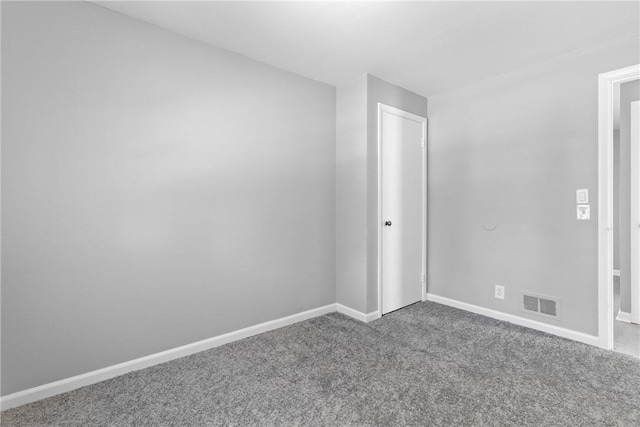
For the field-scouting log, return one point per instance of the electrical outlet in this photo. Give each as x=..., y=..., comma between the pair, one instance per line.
x=499, y=292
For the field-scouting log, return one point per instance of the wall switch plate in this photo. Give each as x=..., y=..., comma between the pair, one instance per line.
x=583, y=213
x=499, y=292
x=582, y=196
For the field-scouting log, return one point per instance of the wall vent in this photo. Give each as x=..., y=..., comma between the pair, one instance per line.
x=541, y=305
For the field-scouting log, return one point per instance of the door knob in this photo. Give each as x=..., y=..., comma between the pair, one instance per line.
x=387, y=223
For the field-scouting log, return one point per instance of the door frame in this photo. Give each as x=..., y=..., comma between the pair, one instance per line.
x=384, y=108
x=606, y=83
x=635, y=212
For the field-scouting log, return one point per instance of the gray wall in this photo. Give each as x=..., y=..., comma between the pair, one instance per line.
x=629, y=92
x=381, y=91
x=351, y=194
x=512, y=150
x=357, y=184
x=156, y=191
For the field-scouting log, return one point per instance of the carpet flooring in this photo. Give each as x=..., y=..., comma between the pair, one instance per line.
x=427, y=364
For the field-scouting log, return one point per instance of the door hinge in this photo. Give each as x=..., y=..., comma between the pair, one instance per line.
x=423, y=142
x=423, y=277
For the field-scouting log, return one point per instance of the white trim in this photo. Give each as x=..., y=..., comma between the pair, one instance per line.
x=616, y=273
x=623, y=316
x=72, y=383
x=606, y=83
x=370, y=317
x=358, y=315
x=635, y=211
x=423, y=121
x=425, y=230
x=522, y=321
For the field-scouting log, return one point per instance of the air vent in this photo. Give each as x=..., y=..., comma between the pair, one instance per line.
x=530, y=303
x=548, y=307
x=541, y=305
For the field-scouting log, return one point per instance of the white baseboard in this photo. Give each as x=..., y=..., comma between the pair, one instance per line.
x=72, y=383
x=522, y=321
x=372, y=316
x=616, y=273
x=623, y=316
x=358, y=315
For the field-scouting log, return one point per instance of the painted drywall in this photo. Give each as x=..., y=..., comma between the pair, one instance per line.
x=511, y=151
x=380, y=91
x=629, y=92
x=351, y=194
x=156, y=191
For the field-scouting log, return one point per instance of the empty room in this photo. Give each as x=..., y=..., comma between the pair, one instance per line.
x=320, y=213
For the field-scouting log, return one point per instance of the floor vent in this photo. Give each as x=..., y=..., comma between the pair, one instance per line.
x=541, y=305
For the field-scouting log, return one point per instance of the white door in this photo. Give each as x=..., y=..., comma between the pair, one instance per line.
x=402, y=139
x=635, y=212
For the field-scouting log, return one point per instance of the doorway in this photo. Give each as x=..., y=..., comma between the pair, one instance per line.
x=402, y=208
x=608, y=304
x=626, y=283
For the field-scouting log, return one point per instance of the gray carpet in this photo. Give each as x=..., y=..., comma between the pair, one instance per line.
x=424, y=365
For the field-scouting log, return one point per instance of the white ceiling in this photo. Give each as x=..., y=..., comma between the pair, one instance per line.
x=426, y=47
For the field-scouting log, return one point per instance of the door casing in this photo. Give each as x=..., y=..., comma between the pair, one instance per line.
x=606, y=83
x=635, y=212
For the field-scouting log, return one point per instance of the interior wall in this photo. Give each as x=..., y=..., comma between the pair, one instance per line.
x=510, y=152
x=629, y=92
x=351, y=193
x=156, y=191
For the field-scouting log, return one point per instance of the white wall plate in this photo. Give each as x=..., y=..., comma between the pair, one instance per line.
x=582, y=196
x=583, y=213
